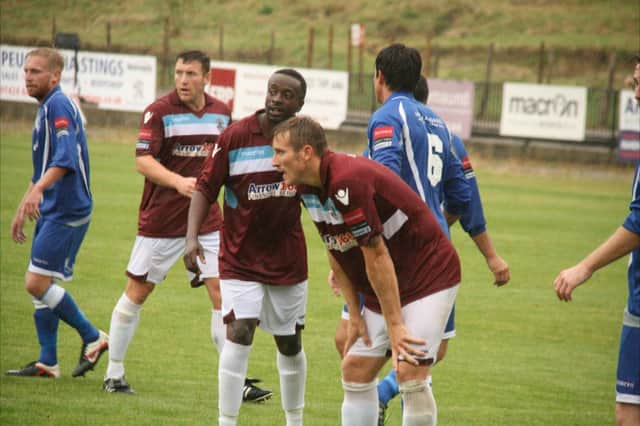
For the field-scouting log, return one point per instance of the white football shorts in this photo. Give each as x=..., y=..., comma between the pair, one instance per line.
x=151, y=258
x=425, y=318
x=280, y=309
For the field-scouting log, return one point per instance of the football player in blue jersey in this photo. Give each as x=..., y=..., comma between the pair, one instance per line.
x=59, y=199
x=625, y=240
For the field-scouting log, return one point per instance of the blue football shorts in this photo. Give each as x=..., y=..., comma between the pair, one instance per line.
x=54, y=248
x=628, y=375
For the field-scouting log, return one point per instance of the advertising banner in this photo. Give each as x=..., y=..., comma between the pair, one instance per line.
x=452, y=100
x=112, y=81
x=244, y=87
x=628, y=127
x=543, y=111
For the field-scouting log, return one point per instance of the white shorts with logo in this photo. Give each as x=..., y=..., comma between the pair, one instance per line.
x=151, y=258
x=280, y=309
x=425, y=318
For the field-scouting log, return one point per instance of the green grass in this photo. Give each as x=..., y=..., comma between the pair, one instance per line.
x=521, y=357
x=572, y=29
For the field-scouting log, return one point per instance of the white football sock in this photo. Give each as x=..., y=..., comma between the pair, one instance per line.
x=419, y=404
x=218, y=330
x=124, y=321
x=360, y=404
x=232, y=369
x=293, y=374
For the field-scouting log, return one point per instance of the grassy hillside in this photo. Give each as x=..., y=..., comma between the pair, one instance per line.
x=577, y=34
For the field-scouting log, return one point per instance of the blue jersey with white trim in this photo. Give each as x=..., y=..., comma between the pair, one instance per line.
x=59, y=140
x=409, y=138
x=472, y=219
x=632, y=223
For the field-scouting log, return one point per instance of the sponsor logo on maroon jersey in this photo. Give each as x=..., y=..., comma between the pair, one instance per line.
x=190, y=150
x=340, y=242
x=268, y=190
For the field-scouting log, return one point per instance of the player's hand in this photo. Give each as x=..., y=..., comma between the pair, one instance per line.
x=500, y=270
x=17, y=227
x=334, y=284
x=356, y=328
x=185, y=185
x=192, y=252
x=569, y=279
x=31, y=204
x=403, y=346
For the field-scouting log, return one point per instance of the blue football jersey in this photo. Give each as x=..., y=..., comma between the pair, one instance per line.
x=472, y=219
x=59, y=141
x=409, y=138
x=632, y=223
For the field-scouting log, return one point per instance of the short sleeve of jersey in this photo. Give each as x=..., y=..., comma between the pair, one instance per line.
x=632, y=223
x=385, y=142
x=355, y=202
x=151, y=133
x=63, y=127
x=215, y=169
x=456, y=188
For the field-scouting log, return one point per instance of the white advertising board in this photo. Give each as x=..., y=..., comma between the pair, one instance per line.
x=543, y=111
x=244, y=87
x=112, y=81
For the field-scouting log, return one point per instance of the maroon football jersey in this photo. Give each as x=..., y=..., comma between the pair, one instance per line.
x=180, y=140
x=262, y=237
x=360, y=199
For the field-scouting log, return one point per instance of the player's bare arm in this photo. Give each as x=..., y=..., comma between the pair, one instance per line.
x=31, y=204
x=497, y=265
x=198, y=210
x=450, y=218
x=384, y=282
x=621, y=243
x=17, y=224
x=357, y=327
x=153, y=170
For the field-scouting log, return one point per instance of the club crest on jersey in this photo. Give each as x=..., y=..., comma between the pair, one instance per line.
x=147, y=116
x=382, y=137
x=343, y=196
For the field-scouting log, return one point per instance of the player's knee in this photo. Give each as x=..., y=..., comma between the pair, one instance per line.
x=289, y=345
x=138, y=291
x=241, y=331
x=419, y=403
x=340, y=340
x=627, y=414
x=36, y=285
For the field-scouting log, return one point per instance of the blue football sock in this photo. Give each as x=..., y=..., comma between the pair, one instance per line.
x=69, y=312
x=47, y=328
x=388, y=388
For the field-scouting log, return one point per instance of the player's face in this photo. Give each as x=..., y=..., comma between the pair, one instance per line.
x=636, y=83
x=287, y=160
x=190, y=82
x=283, y=98
x=38, y=78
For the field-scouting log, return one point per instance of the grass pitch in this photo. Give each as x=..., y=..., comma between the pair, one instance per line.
x=520, y=358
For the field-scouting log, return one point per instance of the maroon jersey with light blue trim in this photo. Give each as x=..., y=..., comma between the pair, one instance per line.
x=180, y=140
x=361, y=199
x=262, y=237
